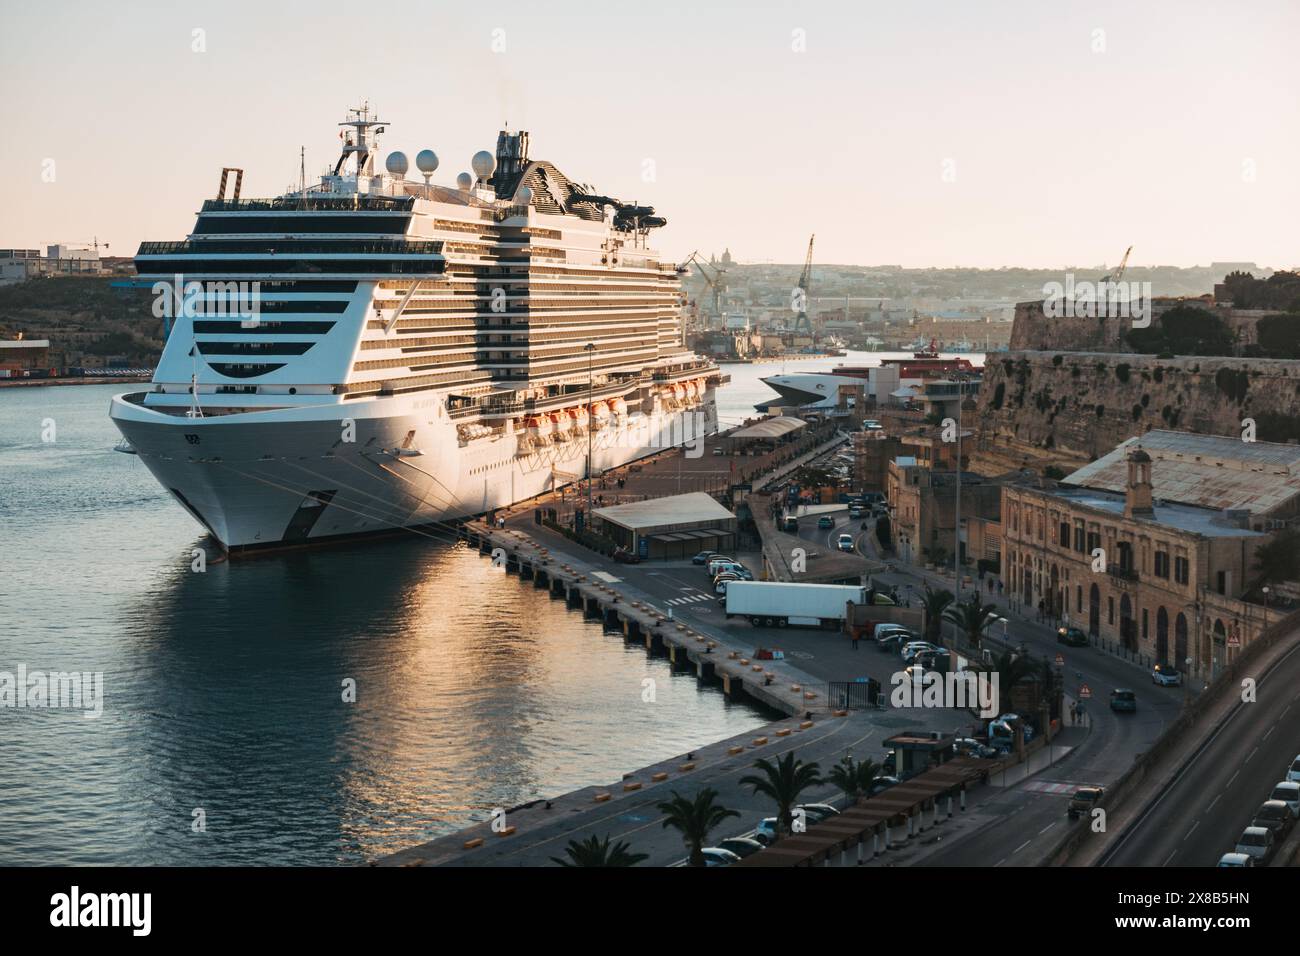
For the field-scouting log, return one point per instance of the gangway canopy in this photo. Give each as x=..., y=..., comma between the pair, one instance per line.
x=771, y=428
x=860, y=822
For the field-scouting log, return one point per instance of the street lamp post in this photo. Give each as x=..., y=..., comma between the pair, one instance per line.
x=590, y=349
x=956, y=556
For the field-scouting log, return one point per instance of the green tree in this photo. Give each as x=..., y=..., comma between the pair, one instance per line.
x=597, y=851
x=1184, y=330
x=1279, y=558
x=782, y=781
x=935, y=604
x=855, y=778
x=972, y=618
x=694, y=819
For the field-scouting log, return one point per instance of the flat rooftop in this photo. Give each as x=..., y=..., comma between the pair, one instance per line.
x=1202, y=521
x=771, y=428
x=1208, y=471
x=665, y=514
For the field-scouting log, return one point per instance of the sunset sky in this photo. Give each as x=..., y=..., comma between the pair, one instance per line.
x=921, y=133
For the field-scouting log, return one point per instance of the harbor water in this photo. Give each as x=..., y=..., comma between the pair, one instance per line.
x=323, y=707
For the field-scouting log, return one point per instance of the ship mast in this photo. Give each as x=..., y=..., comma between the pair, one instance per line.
x=362, y=140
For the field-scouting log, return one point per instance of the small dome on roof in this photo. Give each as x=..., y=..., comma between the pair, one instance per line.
x=1138, y=456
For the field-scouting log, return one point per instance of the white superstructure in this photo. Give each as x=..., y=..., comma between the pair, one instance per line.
x=371, y=353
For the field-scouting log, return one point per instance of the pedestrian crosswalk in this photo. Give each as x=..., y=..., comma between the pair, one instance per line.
x=690, y=598
x=1050, y=786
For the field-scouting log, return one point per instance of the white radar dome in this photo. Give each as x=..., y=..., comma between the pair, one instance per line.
x=464, y=180
x=524, y=195
x=426, y=161
x=483, y=164
x=397, y=164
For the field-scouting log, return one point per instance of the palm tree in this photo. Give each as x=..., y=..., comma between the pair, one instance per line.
x=695, y=818
x=1011, y=670
x=972, y=619
x=782, y=781
x=595, y=851
x=935, y=603
x=854, y=778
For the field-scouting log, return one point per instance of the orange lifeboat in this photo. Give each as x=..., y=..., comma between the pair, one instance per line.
x=618, y=406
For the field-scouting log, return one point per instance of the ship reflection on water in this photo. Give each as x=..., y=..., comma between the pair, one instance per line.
x=473, y=690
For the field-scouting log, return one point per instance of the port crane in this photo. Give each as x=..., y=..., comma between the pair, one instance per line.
x=713, y=283
x=1118, y=272
x=805, y=278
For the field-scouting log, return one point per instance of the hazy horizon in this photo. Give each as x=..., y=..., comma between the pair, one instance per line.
x=943, y=135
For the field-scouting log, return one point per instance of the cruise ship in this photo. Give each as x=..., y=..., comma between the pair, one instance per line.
x=371, y=352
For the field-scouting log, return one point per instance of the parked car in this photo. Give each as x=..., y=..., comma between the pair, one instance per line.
x=825, y=521
x=704, y=557
x=717, y=856
x=1294, y=772
x=741, y=846
x=970, y=747
x=1071, y=637
x=1256, y=842
x=721, y=586
x=717, y=560
x=878, y=630
x=1084, y=799
x=1236, y=859
x=893, y=641
x=855, y=513
x=911, y=651
x=881, y=784
x=845, y=542
x=1276, y=816
x=1166, y=676
x=1123, y=701
x=624, y=556
x=1288, y=791
x=817, y=812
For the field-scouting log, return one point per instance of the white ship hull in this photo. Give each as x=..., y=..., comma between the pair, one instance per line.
x=282, y=478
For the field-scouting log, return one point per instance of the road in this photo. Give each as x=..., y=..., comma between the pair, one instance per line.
x=1013, y=826
x=1200, y=815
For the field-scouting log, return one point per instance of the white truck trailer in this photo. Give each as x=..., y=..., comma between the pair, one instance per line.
x=776, y=604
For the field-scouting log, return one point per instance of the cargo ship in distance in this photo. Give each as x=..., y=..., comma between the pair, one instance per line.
x=419, y=353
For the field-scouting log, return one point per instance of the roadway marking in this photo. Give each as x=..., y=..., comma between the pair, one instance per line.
x=1230, y=779
x=1047, y=786
x=1252, y=754
x=1048, y=827
x=1171, y=856
x=689, y=598
x=1270, y=730
x=1192, y=830
x=606, y=577
x=1021, y=847
x=1212, y=803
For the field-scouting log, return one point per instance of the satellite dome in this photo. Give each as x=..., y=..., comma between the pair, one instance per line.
x=426, y=161
x=483, y=164
x=397, y=164
x=524, y=195
x=464, y=180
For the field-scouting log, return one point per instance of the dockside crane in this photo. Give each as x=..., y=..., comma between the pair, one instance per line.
x=714, y=283
x=805, y=279
x=1118, y=272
